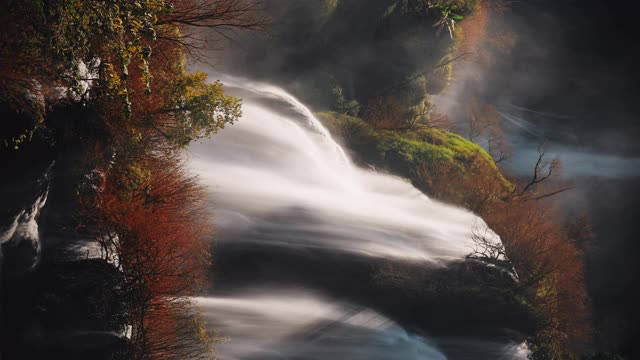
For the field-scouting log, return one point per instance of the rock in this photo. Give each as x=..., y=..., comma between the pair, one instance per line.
x=19, y=236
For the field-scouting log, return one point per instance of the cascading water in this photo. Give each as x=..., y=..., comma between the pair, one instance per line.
x=279, y=181
x=294, y=324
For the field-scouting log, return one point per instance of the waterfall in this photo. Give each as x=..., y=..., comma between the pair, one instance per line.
x=294, y=324
x=278, y=180
x=284, y=177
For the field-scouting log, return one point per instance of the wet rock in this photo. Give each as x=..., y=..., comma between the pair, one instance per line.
x=64, y=310
x=462, y=298
x=20, y=244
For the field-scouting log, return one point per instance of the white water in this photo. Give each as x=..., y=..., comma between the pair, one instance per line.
x=294, y=324
x=278, y=178
x=284, y=176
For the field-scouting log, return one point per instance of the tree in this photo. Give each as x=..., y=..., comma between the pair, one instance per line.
x=180, y=108
x=543, y=171
x=549, y=267
x=123, y=63
x=543, y=253
x=155, y=226
x=197, y=20
x=342, y=105
x=198, y=109
x=498, y=146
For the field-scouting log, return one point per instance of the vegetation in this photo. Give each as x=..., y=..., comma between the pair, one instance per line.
x=123, y=64
x=152, y=219
x=420, y=155
x=547, y=259
x=543, y=253
x=449, y=12
x=342, y=105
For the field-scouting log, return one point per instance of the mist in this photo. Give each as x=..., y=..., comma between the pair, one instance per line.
x=270, y=167
x=569, y=80
x=287, y=199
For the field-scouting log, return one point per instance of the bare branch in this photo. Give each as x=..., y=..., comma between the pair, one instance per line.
x=542, y=171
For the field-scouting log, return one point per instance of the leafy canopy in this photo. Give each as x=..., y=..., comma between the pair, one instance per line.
x=200, y=108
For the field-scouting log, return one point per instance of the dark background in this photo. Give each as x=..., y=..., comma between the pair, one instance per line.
x=579, y=59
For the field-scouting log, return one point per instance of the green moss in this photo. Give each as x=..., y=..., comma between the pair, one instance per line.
x=424, y=143
x=404, y=153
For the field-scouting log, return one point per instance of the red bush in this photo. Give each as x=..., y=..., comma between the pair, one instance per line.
x=155, y=222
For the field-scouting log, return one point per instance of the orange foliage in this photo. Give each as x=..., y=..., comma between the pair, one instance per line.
x=156, y=225
x=549, y=265
x=386, y=113
x=149, y=212
x=546, y=256
x=475, y=187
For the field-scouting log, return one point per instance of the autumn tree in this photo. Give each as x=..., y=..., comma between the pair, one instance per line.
x=543, y=252
x=549, y=267
x=191, y=108
x=124, y=64
x=474, y=30
x=155, y=227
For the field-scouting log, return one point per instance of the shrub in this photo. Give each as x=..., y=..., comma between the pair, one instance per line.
x=158, y=231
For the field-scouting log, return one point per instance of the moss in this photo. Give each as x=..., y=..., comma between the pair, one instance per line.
x=404, y=153
x=426, y=142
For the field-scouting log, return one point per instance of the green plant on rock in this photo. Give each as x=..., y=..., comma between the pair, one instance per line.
x=405, y=152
